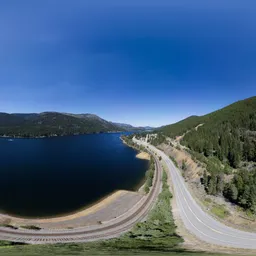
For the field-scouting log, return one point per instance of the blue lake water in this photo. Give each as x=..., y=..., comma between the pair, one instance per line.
x=60, y=175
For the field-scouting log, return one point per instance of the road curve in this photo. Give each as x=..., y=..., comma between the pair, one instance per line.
x=111, y=229
x=196, y=220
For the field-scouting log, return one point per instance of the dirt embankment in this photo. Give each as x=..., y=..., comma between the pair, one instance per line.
x=193, y=170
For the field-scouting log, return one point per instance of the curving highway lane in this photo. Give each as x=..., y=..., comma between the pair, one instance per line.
x=196, y=220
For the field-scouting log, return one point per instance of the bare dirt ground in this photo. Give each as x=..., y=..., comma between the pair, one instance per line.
x=110, y=208
x=235, y=216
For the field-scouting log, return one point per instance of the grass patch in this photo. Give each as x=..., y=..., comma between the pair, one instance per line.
x=207, y=201
x=86, y=249
x=158, y=232
x=8, y=243
x=220, y=211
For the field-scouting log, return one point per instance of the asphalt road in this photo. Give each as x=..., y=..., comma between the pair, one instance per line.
x=199, y=222
x=111, y=229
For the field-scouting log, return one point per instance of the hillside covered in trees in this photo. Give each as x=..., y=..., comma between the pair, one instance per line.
x=52, y=124
x=229, y=133
x=225, y=140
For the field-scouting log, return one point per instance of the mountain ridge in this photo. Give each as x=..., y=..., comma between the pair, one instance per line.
x=129, y=127
x=50, y=123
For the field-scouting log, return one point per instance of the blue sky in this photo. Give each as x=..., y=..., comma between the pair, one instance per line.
x=140, y=62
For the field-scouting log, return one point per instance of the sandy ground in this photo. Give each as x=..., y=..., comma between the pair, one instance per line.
x=143, y=155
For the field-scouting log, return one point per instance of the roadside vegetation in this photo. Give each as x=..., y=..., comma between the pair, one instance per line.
x=174, y=161
x=220, y=211
x=32, y=227
x=85, y=249
x=8, y=226
x=158, y=232
x=149, y=176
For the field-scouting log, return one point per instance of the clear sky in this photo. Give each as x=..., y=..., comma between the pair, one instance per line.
x=140, y=62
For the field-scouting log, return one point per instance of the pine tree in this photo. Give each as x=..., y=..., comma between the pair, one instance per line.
x=212, y=190
x=233, y=192
x=220, y=183
x=205, y=179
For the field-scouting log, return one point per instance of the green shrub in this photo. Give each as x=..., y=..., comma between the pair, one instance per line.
x=174, y=161
x=8, y=226
x=31, y=227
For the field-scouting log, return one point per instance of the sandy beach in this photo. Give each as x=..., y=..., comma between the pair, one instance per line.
x=143, y=155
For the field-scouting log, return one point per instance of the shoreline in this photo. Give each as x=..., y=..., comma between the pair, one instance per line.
x=79, y=213
x=140, y=155
x=83, y=211
x=55, y=135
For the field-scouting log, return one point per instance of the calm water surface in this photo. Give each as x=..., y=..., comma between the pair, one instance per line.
x=53, y=176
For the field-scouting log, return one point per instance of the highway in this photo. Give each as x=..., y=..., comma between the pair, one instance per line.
x=196, y=220
x=102, y=231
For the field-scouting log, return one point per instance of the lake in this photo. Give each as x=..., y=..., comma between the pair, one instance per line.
x=55, y=176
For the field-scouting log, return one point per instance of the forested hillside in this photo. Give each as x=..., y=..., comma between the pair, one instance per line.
x=181, y=127
x=52, y=124
x=229, y=133
x=226, y=137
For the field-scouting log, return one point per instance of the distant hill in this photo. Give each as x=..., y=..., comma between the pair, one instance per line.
x=52, y=124
x=149, y=128
x=228, y=133
x=128, y=127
